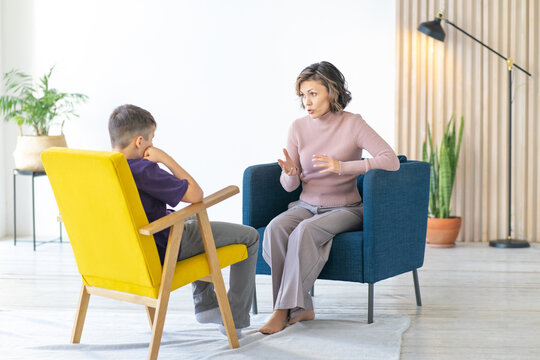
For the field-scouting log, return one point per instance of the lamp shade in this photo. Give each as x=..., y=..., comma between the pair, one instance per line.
x=433, y=29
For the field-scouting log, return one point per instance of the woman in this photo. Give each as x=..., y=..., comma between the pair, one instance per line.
x=324, y=153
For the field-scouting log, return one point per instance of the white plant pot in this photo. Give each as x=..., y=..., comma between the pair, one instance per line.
x=28, y=151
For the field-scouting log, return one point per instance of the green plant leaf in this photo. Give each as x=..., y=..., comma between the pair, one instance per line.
x=445, y=182
x=37, y=106
x=443, y=166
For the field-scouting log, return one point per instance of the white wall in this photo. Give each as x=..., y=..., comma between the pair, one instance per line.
x=17, y=52
x=218, y=76
x=3, y=165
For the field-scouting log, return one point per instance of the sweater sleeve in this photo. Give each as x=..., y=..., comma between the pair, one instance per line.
x=290, y=183
x=383, y=156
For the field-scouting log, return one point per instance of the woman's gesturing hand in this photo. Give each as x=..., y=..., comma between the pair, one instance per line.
x=329, y=164
x=288, y=165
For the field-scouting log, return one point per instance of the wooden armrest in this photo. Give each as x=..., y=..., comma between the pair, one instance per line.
x=177, y=216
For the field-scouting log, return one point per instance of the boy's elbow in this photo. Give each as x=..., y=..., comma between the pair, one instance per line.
x=193, y=196
x=199, y=196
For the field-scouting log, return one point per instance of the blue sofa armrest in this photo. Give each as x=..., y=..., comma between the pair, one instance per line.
x=395, y=220
x=360, y=180
x=263, y=197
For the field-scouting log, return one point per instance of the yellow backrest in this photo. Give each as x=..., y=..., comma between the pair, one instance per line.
x=102, y=212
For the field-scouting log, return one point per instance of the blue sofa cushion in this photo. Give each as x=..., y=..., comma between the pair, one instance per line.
x=344, y=262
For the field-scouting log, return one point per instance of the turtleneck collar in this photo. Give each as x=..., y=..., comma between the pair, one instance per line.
x=327, y=116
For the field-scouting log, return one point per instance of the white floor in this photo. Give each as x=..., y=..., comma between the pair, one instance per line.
x=478, y=302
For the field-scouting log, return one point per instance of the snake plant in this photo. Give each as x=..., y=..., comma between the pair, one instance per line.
x=443, y=164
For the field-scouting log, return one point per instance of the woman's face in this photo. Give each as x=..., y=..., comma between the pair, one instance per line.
x=315, y=98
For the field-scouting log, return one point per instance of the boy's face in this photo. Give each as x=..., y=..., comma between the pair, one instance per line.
x=143, y=144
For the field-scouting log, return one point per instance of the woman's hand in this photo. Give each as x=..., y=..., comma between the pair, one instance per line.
x=329, y=164
x=288, y=165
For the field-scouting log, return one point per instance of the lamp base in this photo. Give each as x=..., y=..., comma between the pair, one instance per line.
x=509, y=243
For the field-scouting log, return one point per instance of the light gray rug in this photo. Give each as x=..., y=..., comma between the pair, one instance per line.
x=32, y=334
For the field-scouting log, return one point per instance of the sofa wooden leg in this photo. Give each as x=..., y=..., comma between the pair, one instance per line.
x=370, y=304
x=417, y=288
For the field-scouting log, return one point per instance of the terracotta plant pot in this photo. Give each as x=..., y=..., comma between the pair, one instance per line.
x=28, y=151
x=442, y=233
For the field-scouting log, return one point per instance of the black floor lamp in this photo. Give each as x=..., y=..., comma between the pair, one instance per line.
x=435, y=30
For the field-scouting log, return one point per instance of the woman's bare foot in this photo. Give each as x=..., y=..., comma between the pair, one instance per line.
x=305, y=315
x=276, y=323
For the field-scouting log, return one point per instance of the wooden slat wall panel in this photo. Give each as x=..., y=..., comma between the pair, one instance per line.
x=533, y=123
x=434, y=80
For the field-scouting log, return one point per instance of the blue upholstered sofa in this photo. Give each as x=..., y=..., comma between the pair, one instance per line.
x=393, y=237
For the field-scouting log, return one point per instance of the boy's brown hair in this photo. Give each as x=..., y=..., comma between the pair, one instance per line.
x=128, y=121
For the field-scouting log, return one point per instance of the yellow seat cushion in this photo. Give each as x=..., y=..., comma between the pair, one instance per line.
x=186, y=271
x=196, y=267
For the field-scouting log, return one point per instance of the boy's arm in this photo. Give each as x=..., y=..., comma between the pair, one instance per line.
x=194, y=192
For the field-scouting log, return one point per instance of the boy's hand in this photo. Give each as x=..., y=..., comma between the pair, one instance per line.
x=155, y=155
x=194, y=192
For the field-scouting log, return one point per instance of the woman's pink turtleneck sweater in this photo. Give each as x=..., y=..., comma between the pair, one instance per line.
x=342, y=136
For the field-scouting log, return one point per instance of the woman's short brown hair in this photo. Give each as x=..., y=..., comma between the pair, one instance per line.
x=334, y=81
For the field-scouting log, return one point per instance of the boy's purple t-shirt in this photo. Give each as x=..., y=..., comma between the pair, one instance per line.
x=157, y=189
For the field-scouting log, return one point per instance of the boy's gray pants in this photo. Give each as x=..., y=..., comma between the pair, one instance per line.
x=241, y=276
x=296, y=246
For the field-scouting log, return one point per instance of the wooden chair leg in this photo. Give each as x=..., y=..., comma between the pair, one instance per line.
x=151, y=312
x=254, y=308
x=169, y=265
x=370, y=304
x=225, y=308
x=417, y=288
x=157, y=328
x=217, y=278
x=84, y=298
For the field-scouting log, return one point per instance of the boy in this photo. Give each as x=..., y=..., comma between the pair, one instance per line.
x=131, y=130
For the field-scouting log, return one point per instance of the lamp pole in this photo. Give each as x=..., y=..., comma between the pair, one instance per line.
x=435, y=30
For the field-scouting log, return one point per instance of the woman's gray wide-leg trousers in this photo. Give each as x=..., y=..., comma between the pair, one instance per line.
x=296, y=246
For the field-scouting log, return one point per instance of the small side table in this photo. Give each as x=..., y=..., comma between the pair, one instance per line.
x=33, y=174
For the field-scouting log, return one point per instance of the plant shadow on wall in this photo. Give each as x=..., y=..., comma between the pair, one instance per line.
x=443, y=229
x=37, y=107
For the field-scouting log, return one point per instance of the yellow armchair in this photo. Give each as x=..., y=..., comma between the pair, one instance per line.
x=113, y=242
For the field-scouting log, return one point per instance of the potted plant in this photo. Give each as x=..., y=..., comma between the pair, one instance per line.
x=443, y=229
x=37, y=107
